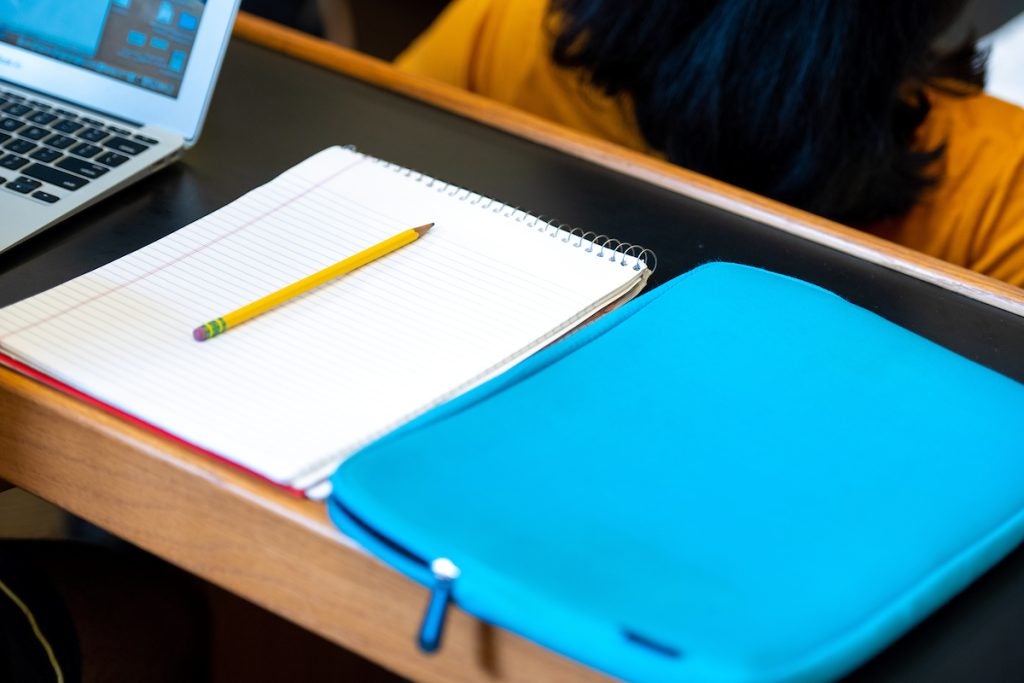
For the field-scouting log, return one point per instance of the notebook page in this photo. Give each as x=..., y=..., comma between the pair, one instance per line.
x=294, y=390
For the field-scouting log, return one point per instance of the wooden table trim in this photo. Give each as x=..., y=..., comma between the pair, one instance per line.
x=634, y=164
x=246, y=536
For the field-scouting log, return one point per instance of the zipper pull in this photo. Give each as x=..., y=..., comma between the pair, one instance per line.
x=445, y=573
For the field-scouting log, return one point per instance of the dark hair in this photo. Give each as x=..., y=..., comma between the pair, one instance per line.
x=812, y=102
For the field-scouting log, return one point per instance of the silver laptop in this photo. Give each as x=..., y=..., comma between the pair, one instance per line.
x=95, y=94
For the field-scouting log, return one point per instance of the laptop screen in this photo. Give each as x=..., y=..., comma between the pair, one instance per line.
x=146, y=43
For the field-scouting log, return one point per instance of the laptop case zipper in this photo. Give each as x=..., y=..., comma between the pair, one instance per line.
x=432, y=628
x=444, y=574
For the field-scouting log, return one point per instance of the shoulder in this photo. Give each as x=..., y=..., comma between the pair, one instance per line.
x=973, y=121
x=479, y=45
x=502, y=49
x=983, y=138
x=975, y=214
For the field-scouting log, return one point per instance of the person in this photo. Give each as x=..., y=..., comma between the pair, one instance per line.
x=839, y=108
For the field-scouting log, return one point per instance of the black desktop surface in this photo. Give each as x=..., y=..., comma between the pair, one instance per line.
x=270, y=112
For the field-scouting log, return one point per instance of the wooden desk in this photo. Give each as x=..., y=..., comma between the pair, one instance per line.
x=282, y=553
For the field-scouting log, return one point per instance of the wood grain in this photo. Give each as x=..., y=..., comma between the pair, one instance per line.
x=277, y=551
x=634, y=164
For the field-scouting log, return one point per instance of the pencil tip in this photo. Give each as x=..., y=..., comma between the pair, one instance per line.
x=422, y=230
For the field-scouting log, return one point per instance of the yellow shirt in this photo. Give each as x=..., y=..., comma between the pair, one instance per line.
x=974, y=217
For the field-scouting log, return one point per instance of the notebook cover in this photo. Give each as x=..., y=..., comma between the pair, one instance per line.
x=737, y=477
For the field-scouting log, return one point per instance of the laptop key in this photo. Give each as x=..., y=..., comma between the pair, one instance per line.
x=93, y=134
x=112, y=159
x=4, y=137
x=46, y=197
x=91, y=122
x=81, y=167
x=23, y=185
x=42, y=117
x=17, y=109
x=34, y=133
x=60, y=141
x=45, y=155
x=19, y=146
x=11, y=124
x=125, y=146
x=66, y=114
x=145, y=140
x=66, y=126
x=13, y=162
x=119, y=131
x=53, y=176
x=85, y=150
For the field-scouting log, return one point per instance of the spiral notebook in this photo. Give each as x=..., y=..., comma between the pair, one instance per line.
x=291, y=394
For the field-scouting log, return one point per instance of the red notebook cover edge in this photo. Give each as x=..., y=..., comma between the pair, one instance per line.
x=53, y=383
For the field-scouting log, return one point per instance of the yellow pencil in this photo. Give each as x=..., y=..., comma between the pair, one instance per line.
x=249, y=311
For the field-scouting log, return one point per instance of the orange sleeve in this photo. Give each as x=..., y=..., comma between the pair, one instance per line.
x=1000, y=250
x=974, y=217
x=484, y=46
x=447, y=50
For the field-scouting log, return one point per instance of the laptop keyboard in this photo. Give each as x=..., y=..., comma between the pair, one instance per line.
x=43, y=146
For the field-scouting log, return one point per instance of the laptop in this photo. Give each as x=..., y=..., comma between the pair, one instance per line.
x=95, y=94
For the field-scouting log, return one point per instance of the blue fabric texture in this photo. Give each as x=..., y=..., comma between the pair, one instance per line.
x=736, y=477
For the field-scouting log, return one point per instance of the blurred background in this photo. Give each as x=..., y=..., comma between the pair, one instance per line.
x=383, y=28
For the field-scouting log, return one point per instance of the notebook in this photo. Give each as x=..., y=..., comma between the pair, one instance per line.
x=293, y=392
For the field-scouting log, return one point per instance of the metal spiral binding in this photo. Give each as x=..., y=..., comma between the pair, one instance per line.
x=602, y=246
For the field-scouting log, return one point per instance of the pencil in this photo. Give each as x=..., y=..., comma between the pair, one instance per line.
x=264, y=304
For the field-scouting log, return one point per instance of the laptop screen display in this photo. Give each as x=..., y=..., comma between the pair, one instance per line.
x=143, y=42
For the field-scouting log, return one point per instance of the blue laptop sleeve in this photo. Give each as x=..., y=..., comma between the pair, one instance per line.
x=737, y=477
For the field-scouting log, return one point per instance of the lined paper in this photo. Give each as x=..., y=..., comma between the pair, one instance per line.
x=292, y=392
